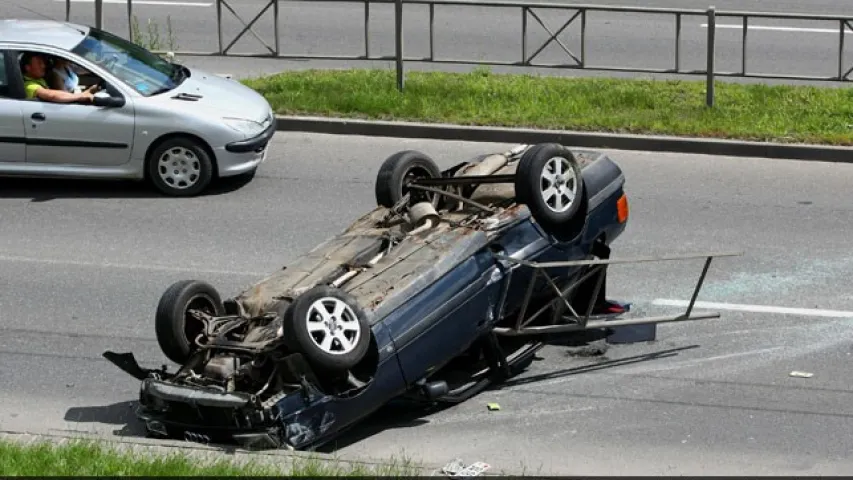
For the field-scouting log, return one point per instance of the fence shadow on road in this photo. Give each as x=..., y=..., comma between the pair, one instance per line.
x=405, y=414
x=46, y=189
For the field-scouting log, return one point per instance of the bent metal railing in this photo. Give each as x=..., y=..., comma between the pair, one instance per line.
x=528, y=11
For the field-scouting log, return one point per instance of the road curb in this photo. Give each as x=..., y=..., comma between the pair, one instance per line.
x=438, y=131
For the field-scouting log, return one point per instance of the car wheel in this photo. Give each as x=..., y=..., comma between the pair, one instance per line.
x=548, y=180
x=327, y=326
x=400, y=168
x=180, y=167
x=176, y=329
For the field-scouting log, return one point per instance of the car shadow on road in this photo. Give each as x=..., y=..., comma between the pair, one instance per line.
x=46, y=189
x=120, y=414
x=401, y=413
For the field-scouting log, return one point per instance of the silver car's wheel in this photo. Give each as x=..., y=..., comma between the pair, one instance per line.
x=333, y=326
x=180, y=166
x=328, y=327
x=559, y=186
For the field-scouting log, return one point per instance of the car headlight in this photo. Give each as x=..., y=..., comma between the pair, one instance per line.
x=247, y=127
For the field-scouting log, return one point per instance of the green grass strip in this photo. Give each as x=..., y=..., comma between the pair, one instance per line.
x=784, y=113
x=82, y=458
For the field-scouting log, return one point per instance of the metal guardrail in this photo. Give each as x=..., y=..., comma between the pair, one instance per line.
x=527, y=60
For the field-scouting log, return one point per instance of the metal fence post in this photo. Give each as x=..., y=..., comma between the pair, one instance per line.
x=99, y=14
x=130, y=20
x=398, y=24
x=712, y=24
x=219, y=24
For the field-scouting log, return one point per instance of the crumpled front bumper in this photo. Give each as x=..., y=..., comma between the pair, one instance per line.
x=204, y=416
x=295, y=419
x=195, y=396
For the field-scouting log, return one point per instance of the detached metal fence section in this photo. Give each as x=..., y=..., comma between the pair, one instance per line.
x=529, y=12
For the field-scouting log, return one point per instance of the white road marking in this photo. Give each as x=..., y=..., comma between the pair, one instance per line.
x=146, y=2
x=127, y=266
x=807, y=312
x=779, y=29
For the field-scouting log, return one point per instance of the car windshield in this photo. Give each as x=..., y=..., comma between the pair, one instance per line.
x=144, y=71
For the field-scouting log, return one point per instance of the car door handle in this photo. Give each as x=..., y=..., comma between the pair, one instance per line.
x=38, y=116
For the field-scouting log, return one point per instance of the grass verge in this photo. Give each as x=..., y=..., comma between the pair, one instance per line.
x=784, y=113
x=89, y=458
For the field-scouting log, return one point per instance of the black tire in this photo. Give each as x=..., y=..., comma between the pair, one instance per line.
x=187, y=150
x=399, y=168
x=528, y=183
x=299, y=339
x=175, y=328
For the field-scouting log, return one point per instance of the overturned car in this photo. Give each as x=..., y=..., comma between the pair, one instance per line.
x=450, y=284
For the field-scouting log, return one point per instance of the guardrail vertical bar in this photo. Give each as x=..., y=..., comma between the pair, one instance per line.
x=431, y=31
x=677, y=42
x=67, y=10
x=219, y=23
x=398, y=37
x=840, y=50
x=367, y=28
x=698, y=286
x=99, y=14
x=583, y=37
x=130, y=20
x=523, y=35
x=275, y=27
x=712, y=24
x=743, y=45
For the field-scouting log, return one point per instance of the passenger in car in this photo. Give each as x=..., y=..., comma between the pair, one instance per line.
x=34, y=69
x=63, y=77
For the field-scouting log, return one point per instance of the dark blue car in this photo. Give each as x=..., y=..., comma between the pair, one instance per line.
x=449, y=285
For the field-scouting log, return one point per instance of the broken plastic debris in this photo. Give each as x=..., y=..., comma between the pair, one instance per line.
x=796, y=373
x=457, y=469
x=453, y=467
x=493, y=406
x=473, y=470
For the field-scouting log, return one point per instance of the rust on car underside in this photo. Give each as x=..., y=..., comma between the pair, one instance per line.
x=411, y=260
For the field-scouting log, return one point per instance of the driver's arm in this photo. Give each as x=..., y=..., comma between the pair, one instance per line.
x=61, y=96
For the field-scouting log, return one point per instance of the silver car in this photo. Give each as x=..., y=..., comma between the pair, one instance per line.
x=154, y=120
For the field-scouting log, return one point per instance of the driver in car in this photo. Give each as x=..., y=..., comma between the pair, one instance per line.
x=34, y=68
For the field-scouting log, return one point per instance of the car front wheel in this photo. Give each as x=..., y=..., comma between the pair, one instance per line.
x=175, y=327
x=180, y=167
x=327, y=326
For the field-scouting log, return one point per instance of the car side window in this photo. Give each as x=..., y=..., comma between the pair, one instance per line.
x=56, y=73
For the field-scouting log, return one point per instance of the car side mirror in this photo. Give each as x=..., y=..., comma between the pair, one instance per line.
x=110, y=102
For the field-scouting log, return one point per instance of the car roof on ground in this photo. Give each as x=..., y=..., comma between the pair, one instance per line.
x=61, y=35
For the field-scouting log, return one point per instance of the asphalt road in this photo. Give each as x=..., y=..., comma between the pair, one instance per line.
x=82, y=265
x=469, y=33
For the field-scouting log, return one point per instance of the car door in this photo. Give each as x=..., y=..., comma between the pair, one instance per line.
x=12, y=137
x=77, y=134
x=441, y=321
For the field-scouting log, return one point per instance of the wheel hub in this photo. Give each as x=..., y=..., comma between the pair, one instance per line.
x=558, y=185
x=179, y=168
x=333, y=326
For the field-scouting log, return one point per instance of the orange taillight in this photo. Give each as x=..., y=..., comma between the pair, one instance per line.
x=622, y=208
